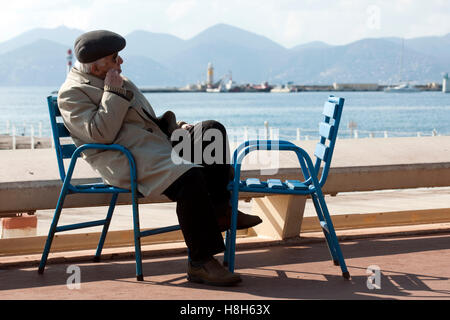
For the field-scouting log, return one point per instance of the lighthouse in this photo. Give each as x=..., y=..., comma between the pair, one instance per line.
x=210, y=76
x=445, y=84
x=69, y=60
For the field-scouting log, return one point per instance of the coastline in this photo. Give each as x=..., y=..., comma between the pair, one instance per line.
x=336, y=87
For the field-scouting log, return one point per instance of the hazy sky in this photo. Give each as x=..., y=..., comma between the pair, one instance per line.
x=288, y=22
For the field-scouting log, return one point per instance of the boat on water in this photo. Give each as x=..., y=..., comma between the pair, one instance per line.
x=224, y=86
x=403, y=87
x=232, y=86
x=281, y=89
x=220, y=88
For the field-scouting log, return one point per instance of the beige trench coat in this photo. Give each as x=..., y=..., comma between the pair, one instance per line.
x=94, y=116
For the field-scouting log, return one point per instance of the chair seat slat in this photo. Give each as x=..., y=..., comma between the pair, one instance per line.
x=275, y=184
x=62, y=130
x=321, y=151
x=54, y=102
x=326, y=130
x=330, y=110
x=296, y=185
x=67, y=150
x=57, y=112
x=254, y=183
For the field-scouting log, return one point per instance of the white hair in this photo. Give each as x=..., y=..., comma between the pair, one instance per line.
x=86, y=67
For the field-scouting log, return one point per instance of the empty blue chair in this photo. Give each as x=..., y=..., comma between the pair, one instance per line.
x=70, y=151
x=310, y=185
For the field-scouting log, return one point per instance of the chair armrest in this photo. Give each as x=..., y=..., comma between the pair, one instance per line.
x=259, y=144
x=273, y=145
x=307, y=167
x=117, y=147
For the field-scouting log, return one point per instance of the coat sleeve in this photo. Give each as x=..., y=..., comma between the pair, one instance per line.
x=89, y=122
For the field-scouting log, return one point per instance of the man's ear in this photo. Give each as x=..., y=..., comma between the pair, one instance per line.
x=94, y=69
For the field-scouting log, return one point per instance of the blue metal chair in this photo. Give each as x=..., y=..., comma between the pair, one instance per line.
x=310, y=185
x=70, y=151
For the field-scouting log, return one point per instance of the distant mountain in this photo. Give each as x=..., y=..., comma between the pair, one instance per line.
x=144, y=71
x=62, y=35
x=364, y=61
x=41, y=63
x=432, y=45
x=310, y=45
x=221, y=33
x=38, y=57
x=156, y=46
x=438, y=47
x=248, y=55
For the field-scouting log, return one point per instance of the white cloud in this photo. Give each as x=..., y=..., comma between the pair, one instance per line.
x=293, y=28
x=180, y=9
x=288, y=22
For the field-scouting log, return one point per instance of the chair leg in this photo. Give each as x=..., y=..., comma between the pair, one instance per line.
x=112, y=205
x=52, y=231
x=333, y=237
x=137, y=240
x=230, y=251
x=189, y=255
x=226, y=255
x=325, y=232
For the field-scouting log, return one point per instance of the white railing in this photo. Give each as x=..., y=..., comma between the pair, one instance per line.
x=12, y=133
x=268, y=132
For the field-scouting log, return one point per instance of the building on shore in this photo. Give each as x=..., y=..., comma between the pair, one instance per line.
x=356, y=86
x=445, y=84
x=210, y=76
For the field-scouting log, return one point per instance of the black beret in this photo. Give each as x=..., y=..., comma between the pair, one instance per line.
x=97, y=44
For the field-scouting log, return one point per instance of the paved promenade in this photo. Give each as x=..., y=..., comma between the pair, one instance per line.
x=36, y=165
x=413, y=264
x=413, y=260
x=40, y=164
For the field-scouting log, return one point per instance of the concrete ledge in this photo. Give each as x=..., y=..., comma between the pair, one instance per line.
x=242, y=243
x=119, y=239
x=382, y=164
x=43, y=194
x=83, y=241
x=381, y=219
x=18, y=197
x=30, y=177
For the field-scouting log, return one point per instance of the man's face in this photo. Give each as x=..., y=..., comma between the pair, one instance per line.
x=112, y=61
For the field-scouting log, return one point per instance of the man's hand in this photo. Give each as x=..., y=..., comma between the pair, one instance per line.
x=113, y=79
x=186, y=126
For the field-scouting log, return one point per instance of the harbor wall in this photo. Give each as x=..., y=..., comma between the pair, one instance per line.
x=298, y=88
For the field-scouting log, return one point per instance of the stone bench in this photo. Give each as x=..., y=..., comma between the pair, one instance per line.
x=359, y=165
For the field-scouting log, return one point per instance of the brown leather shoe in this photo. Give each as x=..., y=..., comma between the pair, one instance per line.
x=212, y=273
x=244, y=221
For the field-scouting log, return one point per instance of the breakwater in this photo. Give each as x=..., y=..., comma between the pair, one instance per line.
x=336, y=87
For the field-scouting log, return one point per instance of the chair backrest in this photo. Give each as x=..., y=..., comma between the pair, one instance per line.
x=328, y=130
x=59, y=130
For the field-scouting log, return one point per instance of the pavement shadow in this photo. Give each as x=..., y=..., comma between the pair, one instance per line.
x=280, y=272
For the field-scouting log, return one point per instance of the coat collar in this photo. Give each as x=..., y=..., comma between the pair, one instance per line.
x=85, y=78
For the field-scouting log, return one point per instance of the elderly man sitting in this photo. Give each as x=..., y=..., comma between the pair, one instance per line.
x=99, y=105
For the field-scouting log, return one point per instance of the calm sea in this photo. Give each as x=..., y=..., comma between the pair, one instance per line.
x=400, y=114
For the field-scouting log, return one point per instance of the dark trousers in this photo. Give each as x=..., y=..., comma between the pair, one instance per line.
x=201, y=193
